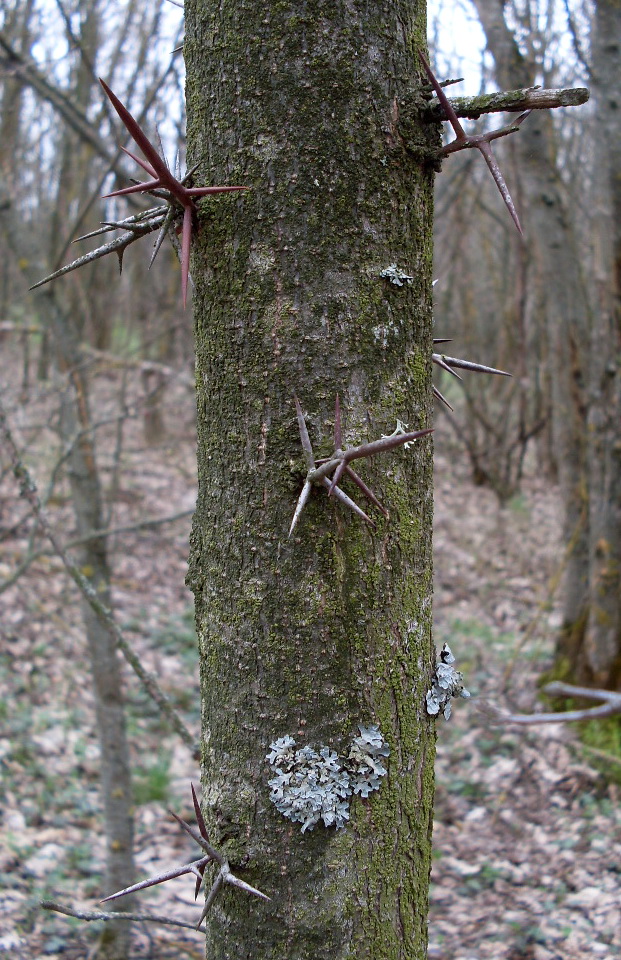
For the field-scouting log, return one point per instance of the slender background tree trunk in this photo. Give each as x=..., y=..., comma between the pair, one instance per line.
x=599, y=660
x=313, y=635
x=556, y=273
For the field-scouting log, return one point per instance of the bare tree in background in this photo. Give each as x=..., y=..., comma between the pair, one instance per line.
x=82, y=311
x=577, y=298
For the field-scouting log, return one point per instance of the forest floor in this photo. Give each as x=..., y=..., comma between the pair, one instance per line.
x=527, y=861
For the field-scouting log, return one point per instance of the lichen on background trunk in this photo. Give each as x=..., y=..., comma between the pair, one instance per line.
x=313, y=635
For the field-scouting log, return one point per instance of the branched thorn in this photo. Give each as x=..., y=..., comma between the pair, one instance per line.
x=448, y=363
x=339, y=463
x=481, y=142
x=196, y=867
x=162, y=184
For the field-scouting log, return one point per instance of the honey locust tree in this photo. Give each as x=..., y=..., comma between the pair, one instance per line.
x=311, y=635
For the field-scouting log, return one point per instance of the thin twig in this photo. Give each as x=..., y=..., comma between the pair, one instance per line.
x=610, y=708
x=93, y=535
x=508, y=101
x=28, y=490
x=89, y=915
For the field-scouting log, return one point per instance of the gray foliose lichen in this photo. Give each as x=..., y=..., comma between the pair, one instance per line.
x=311, y=785
x=447, y=682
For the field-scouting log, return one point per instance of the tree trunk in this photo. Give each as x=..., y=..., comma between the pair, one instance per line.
x=66, y=327
x=599, y=656
x=566, y=321
x=106, y=674
x=312, y=635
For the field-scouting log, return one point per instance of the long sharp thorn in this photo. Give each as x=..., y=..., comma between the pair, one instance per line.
x=161, y=878
x=366, y=490
x=142, y=163
x=242, y=885
x=199, y=882
x=186, y=239
x=138, y=222
x=386, y=443
x=474, y=367
x=451, y=116
x=168, y=219
x=302, y=500
x=438, y=359
x=304, y=437
x=338, y=436
x=499, y=180
x=213, y=893
x=137, y=188
x=190, y=173
x=338, y=473
x=338, y=493
x=197, y=838
x=118, y=244
x=200, y=876
x=136, y=132
x=206, y=191
x=198, y=813
x=442, y=398
x=443, y=340
x=161, y=147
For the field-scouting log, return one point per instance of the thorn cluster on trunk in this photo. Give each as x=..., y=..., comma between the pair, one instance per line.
x=196, y=867
x=338, y=464
x=163, y=179
x=163, y=184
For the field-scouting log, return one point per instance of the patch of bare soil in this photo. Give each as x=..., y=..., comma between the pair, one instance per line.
x=527, y=836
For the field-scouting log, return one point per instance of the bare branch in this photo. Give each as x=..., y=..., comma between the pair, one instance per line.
x=117, y=245
x=101, y=915
x=610, y=708
x=508, y=101
x=29, y=492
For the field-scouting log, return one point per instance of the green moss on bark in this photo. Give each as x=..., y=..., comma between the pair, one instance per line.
x=310, y=636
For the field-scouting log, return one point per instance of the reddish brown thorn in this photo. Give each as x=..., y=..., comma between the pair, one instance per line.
x=141, y=163
x=480, y=142
x=441, y=362
x=158, y=168
x=198, y=813
x=366, y=490
x=338, y=473
x=137, y=188
x=137, y=133
x=381, y=446
x=442, y=398
x=451, y=116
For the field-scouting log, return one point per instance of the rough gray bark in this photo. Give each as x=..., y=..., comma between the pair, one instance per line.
x=313, y=635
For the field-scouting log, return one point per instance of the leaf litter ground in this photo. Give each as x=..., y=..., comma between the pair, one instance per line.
x=527, y=858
